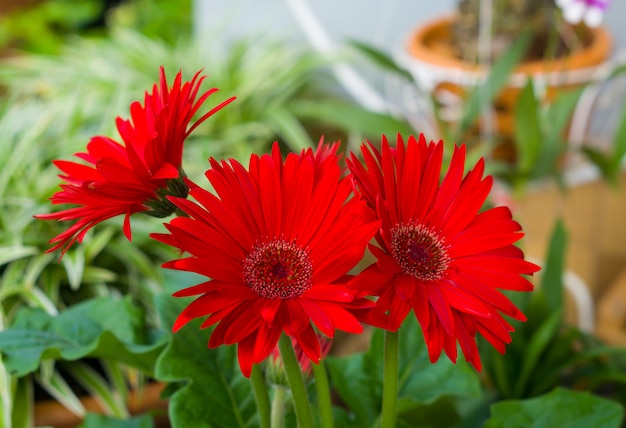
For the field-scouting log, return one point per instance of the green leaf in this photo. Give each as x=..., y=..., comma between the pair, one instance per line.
x=380, y=58
x=425, y=382
x=93, y=420
x=350, y=117
x=23, y=411
x=215, y=393
x=358, y=378
x=560, y=408
x=538, y=343
x=101, y=327
x=601, y=161
x=440, y=414
x=527, y=130
x=288, y=126
x=552, y=272
x=498, y=77
x=619, y=146
x=553, y=125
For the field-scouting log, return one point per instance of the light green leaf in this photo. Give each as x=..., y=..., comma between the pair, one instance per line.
x=101, y=421
x=552, y=272
x=101, y=327
x=560, y=408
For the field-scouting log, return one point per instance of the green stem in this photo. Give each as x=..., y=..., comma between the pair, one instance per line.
x=278, y=407
x=296, y=383
x=390, y=380
x=323, y=395
x=260, y=395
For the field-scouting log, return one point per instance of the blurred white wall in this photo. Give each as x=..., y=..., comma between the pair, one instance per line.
x=382, y=23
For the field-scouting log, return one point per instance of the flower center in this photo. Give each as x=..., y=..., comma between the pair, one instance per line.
x=419, y=251
x=278, y=269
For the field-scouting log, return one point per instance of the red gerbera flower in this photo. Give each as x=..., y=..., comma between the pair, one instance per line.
x=277, y=241
x=134, y=176
x=436, y=253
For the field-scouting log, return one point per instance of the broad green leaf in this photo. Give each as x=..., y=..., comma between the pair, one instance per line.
x=93, y=420
x=483, y=95
x=560, y=408
x=100, y=327
x=552, y=272
x=527, y=130
x=215, y=393
x=425, y=382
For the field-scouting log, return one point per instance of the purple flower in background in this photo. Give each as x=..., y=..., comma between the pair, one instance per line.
x=589, y=11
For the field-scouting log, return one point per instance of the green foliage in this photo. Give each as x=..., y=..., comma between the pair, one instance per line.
x=214, y=393
x=93, y=420
x=481, y=97
x=426, y=390
x=45, y=26
x=546, y=352
x=610, y=163
x=101, y=327
x=561, y=407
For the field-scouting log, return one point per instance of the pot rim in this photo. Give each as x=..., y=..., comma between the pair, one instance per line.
x=592, y=55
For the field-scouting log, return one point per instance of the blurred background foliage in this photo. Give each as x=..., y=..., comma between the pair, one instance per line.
x=68, y=69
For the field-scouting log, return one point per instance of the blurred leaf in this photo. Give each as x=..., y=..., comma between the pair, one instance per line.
x=358, y=380
x=74, y=264
x=215, y=393
x=10, y=253
x=23, y=408
x=100, y=327
x=55, y=385
x=350, y=117
x=554, y=125
x=93, y=420
x=560, y=408
x=98, y=388
x=600, y=159
x=552, y=271
x=380, y=58
x=288, y=126
x=536, y=346
x=527, y=130
x=440, y=414
x=619, y=146
x=483, y=95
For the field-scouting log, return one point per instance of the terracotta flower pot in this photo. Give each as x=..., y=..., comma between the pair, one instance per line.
x=431, y=59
